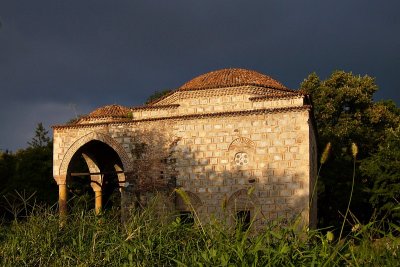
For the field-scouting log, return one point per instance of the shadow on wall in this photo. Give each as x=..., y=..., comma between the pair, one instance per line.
x=153, y=169
x=220, y=183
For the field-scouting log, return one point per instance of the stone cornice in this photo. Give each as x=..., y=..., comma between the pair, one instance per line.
x=171, y=106
x=190, y=116
x=240, y=85
x=274, y=96
x=223, y=91
x=138, y=108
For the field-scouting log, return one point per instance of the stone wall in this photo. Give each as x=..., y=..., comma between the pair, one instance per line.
x=217, y=100
x=277, y=148
x=261, y=161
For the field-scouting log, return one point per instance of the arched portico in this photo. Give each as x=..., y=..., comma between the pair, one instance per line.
x=107, y=164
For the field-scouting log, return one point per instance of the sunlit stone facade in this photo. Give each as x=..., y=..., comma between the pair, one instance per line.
x=236, y=141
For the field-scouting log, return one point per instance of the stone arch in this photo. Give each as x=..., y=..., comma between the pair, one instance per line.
x=195, y=201
x=241, y=142
x=242, y=199
x=96, y=179
x=99, y=137
x=243, y=206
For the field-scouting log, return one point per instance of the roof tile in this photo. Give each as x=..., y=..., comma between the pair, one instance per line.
x=231, y=78
x=110, y=111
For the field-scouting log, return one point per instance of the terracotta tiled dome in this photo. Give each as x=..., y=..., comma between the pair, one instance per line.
x=110, y=111
x=231, y=78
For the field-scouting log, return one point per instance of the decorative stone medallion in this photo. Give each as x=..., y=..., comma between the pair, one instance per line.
x=241, y=158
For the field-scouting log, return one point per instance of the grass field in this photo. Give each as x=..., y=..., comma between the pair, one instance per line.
x=150, y=240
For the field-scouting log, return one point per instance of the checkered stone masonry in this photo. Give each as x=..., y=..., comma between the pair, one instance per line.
x=230, y=149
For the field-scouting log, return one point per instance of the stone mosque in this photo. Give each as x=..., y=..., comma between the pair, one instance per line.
x=238, y=143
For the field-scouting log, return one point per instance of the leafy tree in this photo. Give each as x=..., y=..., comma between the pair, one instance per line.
x=30, y=170
x=345, y=113
x=33, y=173
x=7, y=167
x=384, y=169
x=157, y=95
x=41, y=139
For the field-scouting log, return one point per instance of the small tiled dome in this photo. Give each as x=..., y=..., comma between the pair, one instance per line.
x=110, y=111
x=231, y=78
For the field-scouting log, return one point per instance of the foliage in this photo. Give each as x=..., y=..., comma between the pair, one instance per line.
x=34, y=173
x=41, y=138
x=29, y=170
x=384, y=168
x=157, y=94
x=7, y=166
x=153, y=162
x=151, y=239
x=345, y=113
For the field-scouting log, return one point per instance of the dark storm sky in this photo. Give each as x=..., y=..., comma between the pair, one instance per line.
x=62, y=58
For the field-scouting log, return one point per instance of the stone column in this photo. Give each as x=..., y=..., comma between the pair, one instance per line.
x=96, y=181
x=62, y=195
x=98, y=198
x=62, y=199
x=122, y=183
x=98, y=205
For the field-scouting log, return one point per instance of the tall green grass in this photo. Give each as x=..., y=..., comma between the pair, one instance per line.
x=38, y=237
x=151, y=239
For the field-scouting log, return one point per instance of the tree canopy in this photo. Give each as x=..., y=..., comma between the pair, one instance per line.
x=157, y=94
x=346, y=113
x=41, y=138
x=29, y=171
x=383, y=167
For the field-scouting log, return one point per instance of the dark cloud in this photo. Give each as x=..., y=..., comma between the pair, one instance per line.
x=62, y=57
